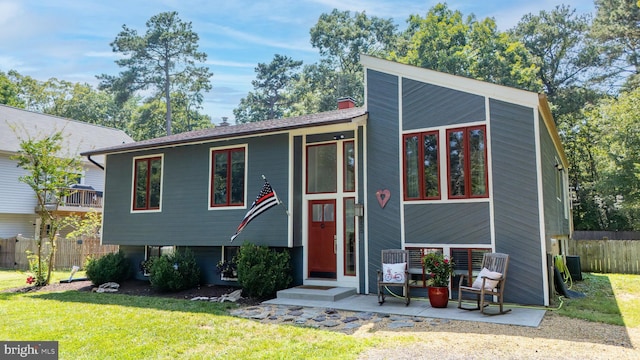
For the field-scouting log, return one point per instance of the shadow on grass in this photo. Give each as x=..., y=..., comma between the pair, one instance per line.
x=146, y=302
x=599, y=305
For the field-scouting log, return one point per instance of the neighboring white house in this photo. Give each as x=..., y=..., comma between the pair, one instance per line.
x=17, y=200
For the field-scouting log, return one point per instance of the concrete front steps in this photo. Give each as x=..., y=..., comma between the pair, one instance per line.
x=316, y=293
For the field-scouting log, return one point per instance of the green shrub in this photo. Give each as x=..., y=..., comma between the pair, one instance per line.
x=175, y=272
x=111, y=267
x=263, y=271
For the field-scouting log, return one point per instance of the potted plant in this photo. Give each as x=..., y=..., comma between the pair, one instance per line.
x=440, y=267
x=228, y=268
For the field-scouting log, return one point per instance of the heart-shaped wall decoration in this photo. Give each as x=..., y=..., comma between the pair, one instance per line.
x=383, y=197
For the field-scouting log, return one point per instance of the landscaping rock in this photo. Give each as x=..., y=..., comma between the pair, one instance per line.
x=108, y=287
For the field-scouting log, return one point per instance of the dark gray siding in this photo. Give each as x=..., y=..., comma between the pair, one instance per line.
x=185, y=218
x=515, y=194
x=206, y=257
x=555, y=222
x=135, y=255
x=465, y=223
x=427, y=105
x=382, y=167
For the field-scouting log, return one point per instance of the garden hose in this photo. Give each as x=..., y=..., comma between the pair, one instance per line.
x=564, y=270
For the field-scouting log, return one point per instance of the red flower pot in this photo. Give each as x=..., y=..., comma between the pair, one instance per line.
x=438, y=296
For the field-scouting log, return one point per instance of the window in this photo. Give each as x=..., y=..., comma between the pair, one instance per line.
x=228, y=265
x=467, y=262
x=154, y=252
x=467, y=161
x=349, y=159
x=227, y=177
x=147, y=181
x=417, y=275
x=321, y=168
x=421, y=171
x=349, y=237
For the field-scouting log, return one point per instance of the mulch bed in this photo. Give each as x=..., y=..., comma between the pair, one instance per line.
x=142, y=288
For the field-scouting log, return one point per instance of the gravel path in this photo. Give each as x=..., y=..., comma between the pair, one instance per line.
x=557, y=337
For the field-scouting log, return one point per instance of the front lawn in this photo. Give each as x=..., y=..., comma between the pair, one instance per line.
x=610, y=298
x=114, y=326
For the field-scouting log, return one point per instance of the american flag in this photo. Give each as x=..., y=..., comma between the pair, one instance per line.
x=265, y=200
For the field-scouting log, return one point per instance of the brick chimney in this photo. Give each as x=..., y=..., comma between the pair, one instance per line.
x=346, y=103
x=224, y=121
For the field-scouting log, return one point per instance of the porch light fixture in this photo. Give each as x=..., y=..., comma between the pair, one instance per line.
x=338, y=137
x=358, y=210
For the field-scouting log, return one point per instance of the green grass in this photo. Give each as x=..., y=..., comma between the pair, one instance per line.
x=114, y=326
x=610, y=298
x=10, y=279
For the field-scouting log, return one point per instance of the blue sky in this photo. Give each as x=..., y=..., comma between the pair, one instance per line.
x=69, y=39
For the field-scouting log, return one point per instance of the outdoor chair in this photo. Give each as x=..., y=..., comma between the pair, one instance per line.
x=394, y=273
x=489, y=282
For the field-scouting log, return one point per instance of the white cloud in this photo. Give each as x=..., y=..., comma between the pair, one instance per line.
x=9, y=11
x=8, y=63
x=102, y=54
x=261, y=40
x=231, y=63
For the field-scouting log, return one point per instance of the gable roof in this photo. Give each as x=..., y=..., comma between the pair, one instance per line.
x=254, y=128
x=78, y=136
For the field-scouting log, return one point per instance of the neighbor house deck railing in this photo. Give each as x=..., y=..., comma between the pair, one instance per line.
x=83, y=198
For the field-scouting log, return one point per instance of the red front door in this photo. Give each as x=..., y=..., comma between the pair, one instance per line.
x=322, y=239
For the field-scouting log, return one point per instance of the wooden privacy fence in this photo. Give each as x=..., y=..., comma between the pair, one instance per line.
x=13, y=252
x=607, y=256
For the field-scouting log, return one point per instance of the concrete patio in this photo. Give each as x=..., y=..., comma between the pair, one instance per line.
x=345, y=299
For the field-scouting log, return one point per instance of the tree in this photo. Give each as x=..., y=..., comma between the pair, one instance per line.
x=272, y=94
x=616, y=27
x=340, y=39
x=618, y=154
x=9, y=92
x=87, y=226
x=164, y=59
x=445, y=41
x=32, y=93
x=558, y=42
x=50, y=175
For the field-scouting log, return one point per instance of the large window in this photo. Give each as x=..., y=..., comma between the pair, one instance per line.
x=147, y=181
x=321, y=168
x=349, y=237
x=467, y=162
x=421, y=171
x=227, y=177
x=349, y=166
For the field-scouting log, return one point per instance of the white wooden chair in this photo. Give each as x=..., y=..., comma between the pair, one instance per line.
x=489, y=282
x=394, y=273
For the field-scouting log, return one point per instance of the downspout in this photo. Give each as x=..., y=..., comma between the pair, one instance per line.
x=95, y=163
